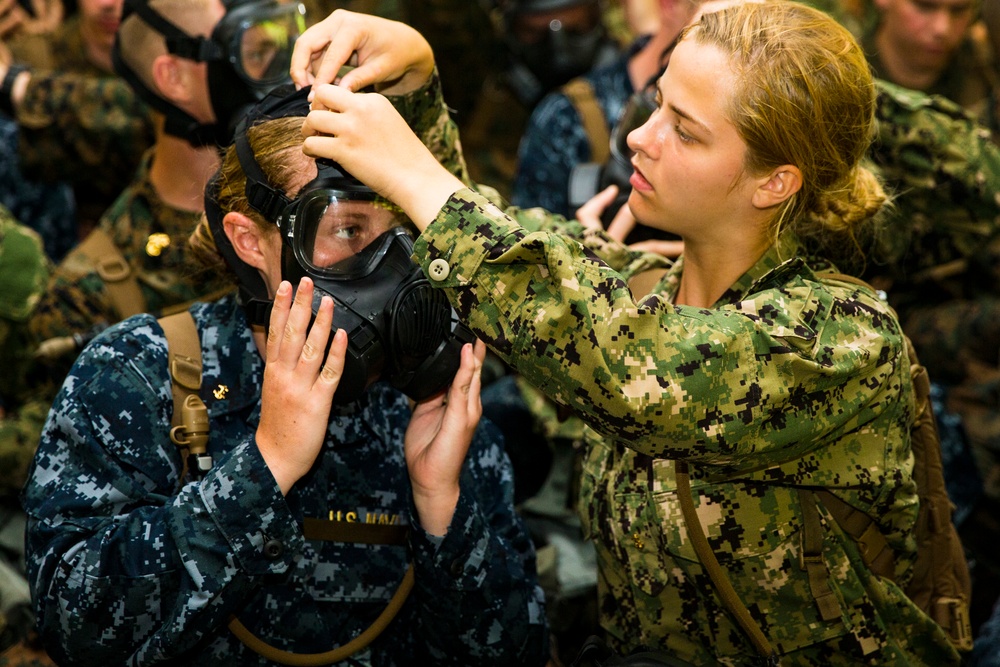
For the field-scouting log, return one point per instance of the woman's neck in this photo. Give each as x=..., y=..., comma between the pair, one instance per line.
x=711, y=270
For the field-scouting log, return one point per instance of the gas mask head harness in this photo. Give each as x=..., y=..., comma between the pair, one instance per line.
x=352, y=244
x=248, y=54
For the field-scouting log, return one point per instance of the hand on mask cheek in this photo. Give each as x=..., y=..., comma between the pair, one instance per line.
x=299, y=383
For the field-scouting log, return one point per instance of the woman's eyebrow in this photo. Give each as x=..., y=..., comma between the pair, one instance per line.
x=689, y=118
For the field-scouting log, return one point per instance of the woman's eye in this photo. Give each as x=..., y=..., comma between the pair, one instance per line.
x=346, y=232
x=682, y=135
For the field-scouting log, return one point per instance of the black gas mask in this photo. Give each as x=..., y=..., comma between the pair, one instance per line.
x=544, y=60
x=353, y=245
x=248, y=54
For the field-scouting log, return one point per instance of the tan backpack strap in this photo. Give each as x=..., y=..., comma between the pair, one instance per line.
x=336, y=655
x=114, y=270
x=811, y=558
x=872, y=545
x=581, y=94
x=189, y=424
x=708, y=560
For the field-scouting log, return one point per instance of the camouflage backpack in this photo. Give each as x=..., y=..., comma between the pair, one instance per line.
x=940, y=585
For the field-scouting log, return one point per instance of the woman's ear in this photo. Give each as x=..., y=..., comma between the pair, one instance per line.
x=245, y=237
x=781, y=184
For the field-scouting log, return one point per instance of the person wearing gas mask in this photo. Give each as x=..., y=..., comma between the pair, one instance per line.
x=574, y=144
x=135, y=260
x=543, y=44
x=319, y=488
x=199, y=65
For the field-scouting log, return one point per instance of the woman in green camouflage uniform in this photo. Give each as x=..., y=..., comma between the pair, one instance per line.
x=747, y=361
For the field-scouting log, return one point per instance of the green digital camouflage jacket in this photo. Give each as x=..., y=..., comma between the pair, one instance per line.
x=943, y=171
x=787, y=382
x=24, y=270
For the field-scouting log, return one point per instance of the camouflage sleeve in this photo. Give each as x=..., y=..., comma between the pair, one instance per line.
x=482, y=570
x=742, y=385
x=945, y=172
x=111, y=538
x=614, y=253
x=426, y=112
x=76, y=127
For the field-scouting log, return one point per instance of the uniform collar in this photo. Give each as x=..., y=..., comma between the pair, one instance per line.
x=783, y=259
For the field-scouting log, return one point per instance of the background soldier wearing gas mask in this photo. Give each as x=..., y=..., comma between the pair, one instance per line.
x=543, y=44
x=136, y=260
x=303, y=446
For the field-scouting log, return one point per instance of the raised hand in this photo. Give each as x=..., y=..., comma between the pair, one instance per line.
x=367, y=136
x=298, y=383
x=438, y=439
x=390, y=55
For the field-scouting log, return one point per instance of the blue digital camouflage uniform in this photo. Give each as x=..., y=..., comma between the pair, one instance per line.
x=555, y=140
x=787, y=381
x=47, y=208
x=127, y=569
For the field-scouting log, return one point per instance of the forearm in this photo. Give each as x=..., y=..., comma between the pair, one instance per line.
x=169, y=569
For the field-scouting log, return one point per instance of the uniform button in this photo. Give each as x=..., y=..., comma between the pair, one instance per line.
x=457, y=568
x=439, y=269
x=273, y=549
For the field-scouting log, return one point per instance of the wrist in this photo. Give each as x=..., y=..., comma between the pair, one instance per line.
x=435, y=510
x=429, y=194
x=12, y=88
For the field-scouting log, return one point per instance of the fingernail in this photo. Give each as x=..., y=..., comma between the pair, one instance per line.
x=284, y=288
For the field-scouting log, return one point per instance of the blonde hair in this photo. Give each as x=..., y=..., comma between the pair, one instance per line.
x=804, y=96
x=277, y=145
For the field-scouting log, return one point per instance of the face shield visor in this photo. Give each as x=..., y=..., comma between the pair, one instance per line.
x=257, y=39
x=338, y=233
x=638, y=109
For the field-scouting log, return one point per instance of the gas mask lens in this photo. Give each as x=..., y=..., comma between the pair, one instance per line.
x=335, y=231
x=637, y=111
x=262, y=37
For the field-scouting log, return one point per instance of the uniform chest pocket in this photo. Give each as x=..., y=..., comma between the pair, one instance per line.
x=350, y=572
